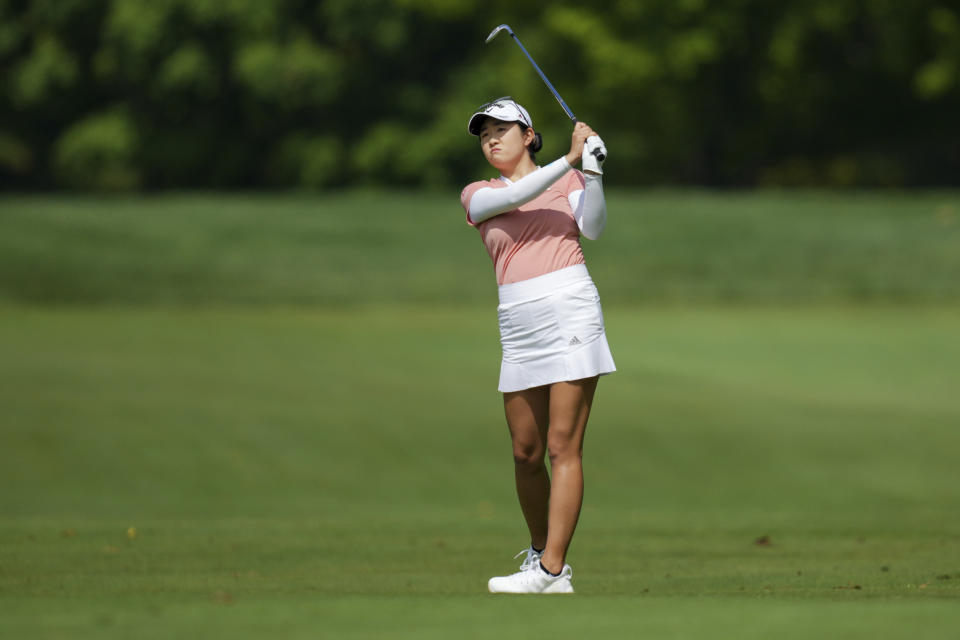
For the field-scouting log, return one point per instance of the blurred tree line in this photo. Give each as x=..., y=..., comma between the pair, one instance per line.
x=145, y=94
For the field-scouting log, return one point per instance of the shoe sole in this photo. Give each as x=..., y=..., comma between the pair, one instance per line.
x=557, y=588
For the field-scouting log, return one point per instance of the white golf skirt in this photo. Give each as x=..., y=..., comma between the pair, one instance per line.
x=551, y=330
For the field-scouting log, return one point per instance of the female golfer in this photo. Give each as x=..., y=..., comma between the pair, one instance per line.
x=551, y=326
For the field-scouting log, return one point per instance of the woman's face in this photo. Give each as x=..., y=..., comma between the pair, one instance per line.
x=504, y=144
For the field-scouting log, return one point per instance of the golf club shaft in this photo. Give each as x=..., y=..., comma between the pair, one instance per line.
x=504, y=27
x=547, y=82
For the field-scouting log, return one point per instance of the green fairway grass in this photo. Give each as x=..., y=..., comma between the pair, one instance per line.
x=311, y=473
x=362, y=248
x=252, y=416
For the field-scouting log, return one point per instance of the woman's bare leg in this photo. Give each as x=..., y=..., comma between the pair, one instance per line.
x=569, y=409
x=527, y=414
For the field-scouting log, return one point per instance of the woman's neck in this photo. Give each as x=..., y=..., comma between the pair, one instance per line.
x=522, y=168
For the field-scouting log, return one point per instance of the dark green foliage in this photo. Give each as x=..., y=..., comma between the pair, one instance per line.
x=125, y=94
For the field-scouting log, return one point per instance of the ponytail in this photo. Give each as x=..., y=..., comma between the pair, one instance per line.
x=534, y=146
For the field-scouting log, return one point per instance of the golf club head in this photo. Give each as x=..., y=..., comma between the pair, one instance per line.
x=503, y=27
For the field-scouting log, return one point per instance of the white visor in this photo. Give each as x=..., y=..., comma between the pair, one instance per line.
x=505, y=109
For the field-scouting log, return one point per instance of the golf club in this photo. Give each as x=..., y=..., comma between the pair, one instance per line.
x=566, y=109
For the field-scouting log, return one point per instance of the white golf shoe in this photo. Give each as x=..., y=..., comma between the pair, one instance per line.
x=533, y=580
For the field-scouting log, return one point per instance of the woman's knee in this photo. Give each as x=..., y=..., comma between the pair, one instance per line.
x=562, y=449
x=528, y=455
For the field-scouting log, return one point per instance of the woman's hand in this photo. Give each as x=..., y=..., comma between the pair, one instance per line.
x=581, y=131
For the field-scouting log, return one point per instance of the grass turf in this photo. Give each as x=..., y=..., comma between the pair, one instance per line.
x=321, y=473
x=268, y=415
x=369, y=248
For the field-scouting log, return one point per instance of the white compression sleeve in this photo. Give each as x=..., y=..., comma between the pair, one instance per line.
x=589, y=207
x=489, y=202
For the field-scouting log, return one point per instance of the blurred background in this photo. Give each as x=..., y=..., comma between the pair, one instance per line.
x=125, y=95
x=248, y=344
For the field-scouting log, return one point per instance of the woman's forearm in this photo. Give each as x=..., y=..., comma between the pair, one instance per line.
x=489, y=202
x=590, y=207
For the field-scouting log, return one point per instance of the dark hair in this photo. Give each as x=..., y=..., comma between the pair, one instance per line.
x=534, y=146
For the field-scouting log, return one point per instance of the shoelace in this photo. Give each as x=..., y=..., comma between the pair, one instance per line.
x=531, y=561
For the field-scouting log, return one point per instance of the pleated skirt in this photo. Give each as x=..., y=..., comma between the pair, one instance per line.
x=551, y=330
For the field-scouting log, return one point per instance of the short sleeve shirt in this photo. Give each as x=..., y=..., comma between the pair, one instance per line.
x=536, y=238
